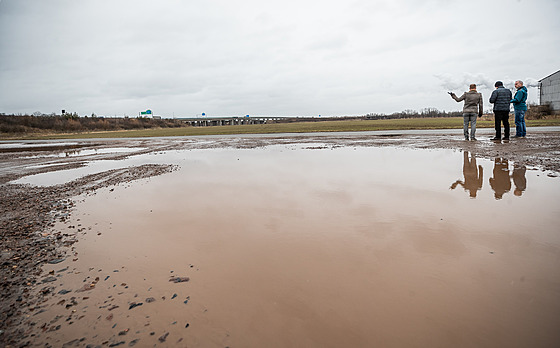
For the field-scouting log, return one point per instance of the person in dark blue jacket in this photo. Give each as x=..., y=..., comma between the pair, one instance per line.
x=520, y=107
x=501, y=98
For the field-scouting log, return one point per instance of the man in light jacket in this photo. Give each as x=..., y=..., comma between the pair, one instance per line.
x=520, y=107
x=473, y=105
x=501, y=98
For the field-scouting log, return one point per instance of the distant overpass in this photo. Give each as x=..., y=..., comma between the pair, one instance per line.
x=238, y=120
x=233, y=120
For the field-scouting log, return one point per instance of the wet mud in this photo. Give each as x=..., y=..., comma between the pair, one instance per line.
x=28, y=214
x=265, y=263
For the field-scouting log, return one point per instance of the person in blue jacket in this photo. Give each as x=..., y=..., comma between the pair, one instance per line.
x=520, y=107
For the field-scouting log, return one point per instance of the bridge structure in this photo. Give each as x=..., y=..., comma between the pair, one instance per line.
x=232, y=121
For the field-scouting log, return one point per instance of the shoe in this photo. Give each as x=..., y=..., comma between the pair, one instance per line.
x=495, y=138
x=473, y=139
x=466, y=139
x=505, y=138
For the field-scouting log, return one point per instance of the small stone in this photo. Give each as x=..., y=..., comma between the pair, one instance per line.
x=86, y=287
x=134, y=304
x=123, y=332
x=163, y=337
x=53, y=262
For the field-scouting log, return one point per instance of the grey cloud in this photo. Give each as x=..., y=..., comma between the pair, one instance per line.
x=462, y=81
x=249, y=56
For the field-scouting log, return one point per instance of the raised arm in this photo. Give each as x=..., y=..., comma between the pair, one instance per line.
x=458, y=99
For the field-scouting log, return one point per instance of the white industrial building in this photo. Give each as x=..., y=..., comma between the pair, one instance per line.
x=549, y=91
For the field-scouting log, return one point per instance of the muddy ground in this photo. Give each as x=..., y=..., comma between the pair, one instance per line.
x=26, y=212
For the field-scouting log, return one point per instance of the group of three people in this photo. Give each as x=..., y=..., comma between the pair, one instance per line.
x=501, y=98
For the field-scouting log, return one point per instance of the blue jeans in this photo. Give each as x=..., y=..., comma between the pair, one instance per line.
x=469, y=118
x=520, y=129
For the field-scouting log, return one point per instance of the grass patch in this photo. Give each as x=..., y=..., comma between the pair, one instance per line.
x=296, y=127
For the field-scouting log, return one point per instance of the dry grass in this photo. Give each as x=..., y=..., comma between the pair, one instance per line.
x=486, y=121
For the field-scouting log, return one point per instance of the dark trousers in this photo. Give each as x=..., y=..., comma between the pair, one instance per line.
x=499, y=117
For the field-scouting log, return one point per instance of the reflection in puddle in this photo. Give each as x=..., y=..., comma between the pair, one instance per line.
x=88, y=152
x=519, y=179
x=500, y=182
x=5, y=146
x=92, y=167
x=314, y=247
x=473, y=175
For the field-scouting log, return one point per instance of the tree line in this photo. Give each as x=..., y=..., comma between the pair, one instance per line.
x=71, y=122
x=424, y=113
x=534, y=112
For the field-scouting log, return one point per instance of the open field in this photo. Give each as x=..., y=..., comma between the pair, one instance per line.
x=298, y=127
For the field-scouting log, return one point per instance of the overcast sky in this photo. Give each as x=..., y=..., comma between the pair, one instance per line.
x=273, y=57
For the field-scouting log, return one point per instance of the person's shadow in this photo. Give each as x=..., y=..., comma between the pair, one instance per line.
x=473, y=176
x=501, y=182
x=519, y=179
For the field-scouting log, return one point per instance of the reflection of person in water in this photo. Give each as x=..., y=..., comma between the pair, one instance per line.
x=473, y=175
x=519, y=179
x=500, y=183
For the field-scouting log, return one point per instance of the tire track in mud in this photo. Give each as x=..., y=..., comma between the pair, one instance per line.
x=26, y=213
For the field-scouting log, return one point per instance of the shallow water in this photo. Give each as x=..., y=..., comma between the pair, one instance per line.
x=83, y=152
x=306, y=245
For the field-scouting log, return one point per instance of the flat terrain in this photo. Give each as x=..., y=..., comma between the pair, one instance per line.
x=28, y=213
x=296, y=127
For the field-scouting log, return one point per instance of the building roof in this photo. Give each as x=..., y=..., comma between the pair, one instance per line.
x=549, y=76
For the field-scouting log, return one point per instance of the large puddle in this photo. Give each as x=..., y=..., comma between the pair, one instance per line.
x=311, y=246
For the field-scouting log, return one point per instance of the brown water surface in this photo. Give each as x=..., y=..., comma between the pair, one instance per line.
x=306, y=246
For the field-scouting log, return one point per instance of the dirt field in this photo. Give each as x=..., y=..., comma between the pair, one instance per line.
x=27, y=211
